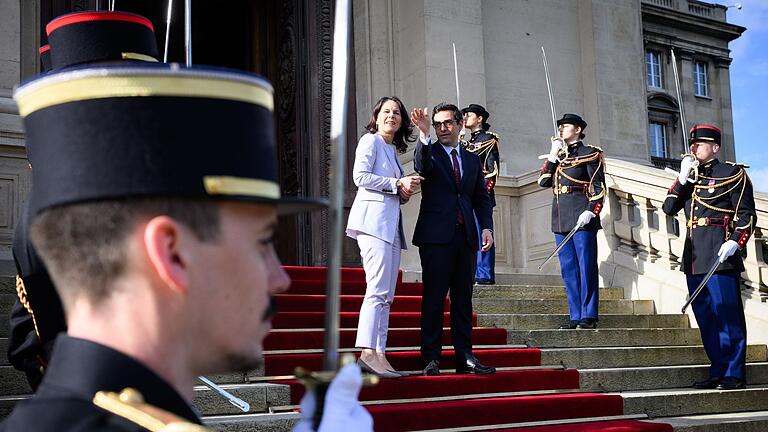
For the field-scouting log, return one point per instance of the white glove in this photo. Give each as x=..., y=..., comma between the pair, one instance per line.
x=557, y=144
x=342, y=409
x=726, y=250
x=685, y=169
x=584, y=219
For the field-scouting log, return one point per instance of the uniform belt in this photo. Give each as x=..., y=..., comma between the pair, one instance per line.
x=702, y=222
x=569, y=189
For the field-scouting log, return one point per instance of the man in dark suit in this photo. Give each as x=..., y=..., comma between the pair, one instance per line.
x=452, y=191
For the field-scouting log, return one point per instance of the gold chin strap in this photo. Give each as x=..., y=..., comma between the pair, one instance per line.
x=129, y=404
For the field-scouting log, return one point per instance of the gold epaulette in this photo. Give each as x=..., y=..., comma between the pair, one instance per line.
x=129, y=404
x=494, y=134
x=595, y=147
x=738, y=164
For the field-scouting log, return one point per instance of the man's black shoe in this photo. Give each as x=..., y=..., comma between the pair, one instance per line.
x=484, y=282
x=472, y=365
x=708, y=383
x=731, y=383
x=432, y=369
x=570, y=325
x=587, y=324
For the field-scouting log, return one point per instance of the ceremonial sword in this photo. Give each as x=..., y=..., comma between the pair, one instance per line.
x=702, y=284
x=236, y=401
x=560, y=246
x=682, y=118
x=551, y=101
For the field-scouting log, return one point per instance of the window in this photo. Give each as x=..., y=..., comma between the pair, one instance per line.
x=653, y=68
x=658, y=134
x=700, y=79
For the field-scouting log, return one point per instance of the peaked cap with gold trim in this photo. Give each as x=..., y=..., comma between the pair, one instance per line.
x=101, y=36
x=102, y=133
x=704, y=133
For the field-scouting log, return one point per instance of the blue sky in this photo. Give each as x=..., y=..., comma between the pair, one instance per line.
x=749, y=87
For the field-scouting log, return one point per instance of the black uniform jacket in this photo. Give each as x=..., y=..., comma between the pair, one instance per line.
x=577, y=180
x=440, y=197
x=79, y=369
x=718, y=207
x=485, y=145
x=38, y=316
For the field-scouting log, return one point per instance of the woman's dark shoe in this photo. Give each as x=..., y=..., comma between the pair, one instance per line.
x=570, y=325
x=708, y=383
x=432, y=369
x=731, y=383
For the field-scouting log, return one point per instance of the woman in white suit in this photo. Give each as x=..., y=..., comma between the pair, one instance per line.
x=376, y=223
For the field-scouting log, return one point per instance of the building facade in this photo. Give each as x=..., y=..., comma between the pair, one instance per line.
x=609, y=61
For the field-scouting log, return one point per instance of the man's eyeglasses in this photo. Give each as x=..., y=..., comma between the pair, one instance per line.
x=448, y=124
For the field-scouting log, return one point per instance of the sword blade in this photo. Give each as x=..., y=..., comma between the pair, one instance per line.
x=167, y=30
x=701, y=285
x=236, y=401
x=549, y=90
x=339, y=108
x=679, y=97
x=560, y=246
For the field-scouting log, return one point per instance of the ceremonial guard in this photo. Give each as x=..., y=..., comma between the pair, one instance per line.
x=575, y=172
x=38, y=317
x=720, y=212
x=485, y=144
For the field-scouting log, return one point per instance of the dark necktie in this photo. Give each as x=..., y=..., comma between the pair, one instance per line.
x=457, y=179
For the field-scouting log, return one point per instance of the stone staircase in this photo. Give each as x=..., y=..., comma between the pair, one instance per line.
x=648, y=359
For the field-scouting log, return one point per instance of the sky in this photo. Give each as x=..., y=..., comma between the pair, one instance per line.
x=749, y=87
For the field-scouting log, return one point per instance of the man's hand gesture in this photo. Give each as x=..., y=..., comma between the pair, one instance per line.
x=420, y=117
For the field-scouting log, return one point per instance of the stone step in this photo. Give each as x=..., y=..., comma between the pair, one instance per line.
x=657, y=377
x=752, y=421
x=6, y=304
x=528, y=279
x=505, y=278
x=604, y=337
x=8, y=285
x=552, y=321
x=560, y=306
x=13, y=382
x=690, y=401
x=536, y=292
x=4, y=351
x=615, y=357
x=283, y=422
x=260, y=396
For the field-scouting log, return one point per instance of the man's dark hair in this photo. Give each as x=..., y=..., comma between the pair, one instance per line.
x=445, y=106
x=404, y=135
x=83, y=245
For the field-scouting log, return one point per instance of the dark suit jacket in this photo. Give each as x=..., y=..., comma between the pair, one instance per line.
x=440, y=197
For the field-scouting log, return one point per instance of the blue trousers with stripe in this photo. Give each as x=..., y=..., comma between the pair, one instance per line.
x=486, y=261
x=720, y=315
x=578, y=265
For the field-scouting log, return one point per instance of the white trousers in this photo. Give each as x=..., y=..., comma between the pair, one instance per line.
x=381, y=262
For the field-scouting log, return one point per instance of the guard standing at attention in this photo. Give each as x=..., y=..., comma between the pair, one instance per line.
x=485, y=144
x=575, y=172
x=720, y=213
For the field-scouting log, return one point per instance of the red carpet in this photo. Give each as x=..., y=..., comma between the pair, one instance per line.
x=317, y=287
x=607, y=426
x=349, y=303
x=445, y=414
x=295, y=320
x=452, y=384
x=303, y=306
x=284, y=364
x=313, y=339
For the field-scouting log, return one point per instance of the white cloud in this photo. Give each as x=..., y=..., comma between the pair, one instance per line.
x=759, y=179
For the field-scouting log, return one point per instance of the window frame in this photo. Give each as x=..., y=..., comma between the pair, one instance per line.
x=700, y=71
x=664, y=138
x=650, y=56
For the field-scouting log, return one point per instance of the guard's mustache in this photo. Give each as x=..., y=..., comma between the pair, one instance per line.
x=271, y=309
